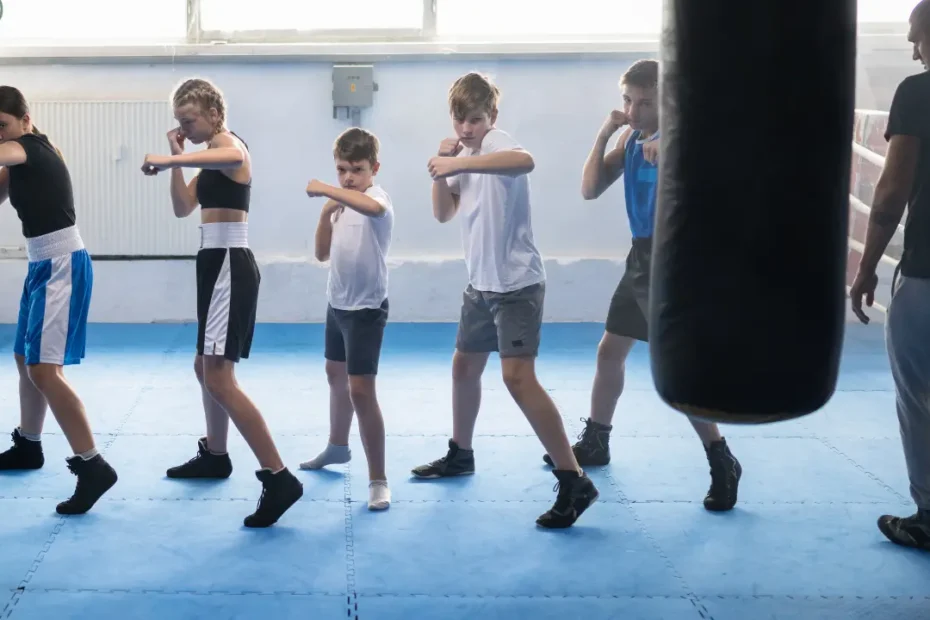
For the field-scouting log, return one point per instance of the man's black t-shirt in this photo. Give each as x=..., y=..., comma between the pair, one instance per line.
x=910, y=116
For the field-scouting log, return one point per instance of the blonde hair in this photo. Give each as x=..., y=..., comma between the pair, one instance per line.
x=204, y=94
x=473, y=92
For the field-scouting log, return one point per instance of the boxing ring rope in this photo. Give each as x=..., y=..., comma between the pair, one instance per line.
x=854, y=202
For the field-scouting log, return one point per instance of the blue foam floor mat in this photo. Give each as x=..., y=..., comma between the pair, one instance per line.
x=801, y=544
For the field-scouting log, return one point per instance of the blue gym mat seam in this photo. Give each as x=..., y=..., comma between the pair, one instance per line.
x=351, y=592
x=690, y=594
x=826, y=442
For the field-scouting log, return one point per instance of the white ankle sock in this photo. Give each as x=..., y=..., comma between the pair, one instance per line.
x=379, y=495
x=332, y=455
x=29, y=436
x=89, y=454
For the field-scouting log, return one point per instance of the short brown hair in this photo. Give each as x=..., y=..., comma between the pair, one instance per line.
x=356, y=144
x=642, y=73
x=473, y=92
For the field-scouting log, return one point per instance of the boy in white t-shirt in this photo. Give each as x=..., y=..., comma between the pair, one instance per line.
x=482, y=173
x=354, y=234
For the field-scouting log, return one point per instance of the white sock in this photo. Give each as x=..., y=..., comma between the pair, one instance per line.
x=332, y=455
x=379, y=495
x=89, y=454
x=29, y=436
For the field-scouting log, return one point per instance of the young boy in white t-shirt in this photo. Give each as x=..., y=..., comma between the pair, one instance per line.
x=354, y=234
x=482, y=173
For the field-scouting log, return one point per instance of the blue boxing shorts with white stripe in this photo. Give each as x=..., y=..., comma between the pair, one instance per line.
x=53, y=311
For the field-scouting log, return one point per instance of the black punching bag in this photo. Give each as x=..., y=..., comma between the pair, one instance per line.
x=748, y=290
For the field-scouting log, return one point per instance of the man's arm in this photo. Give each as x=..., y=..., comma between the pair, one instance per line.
x=891, y=195
x=600, y=170
x=4, y=185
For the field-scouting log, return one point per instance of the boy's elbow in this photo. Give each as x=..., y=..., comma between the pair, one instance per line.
x=529, y=164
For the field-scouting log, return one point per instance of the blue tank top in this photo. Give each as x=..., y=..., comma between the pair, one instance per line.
x=641, y=180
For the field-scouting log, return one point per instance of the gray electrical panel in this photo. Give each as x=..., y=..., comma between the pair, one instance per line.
x=353, y=86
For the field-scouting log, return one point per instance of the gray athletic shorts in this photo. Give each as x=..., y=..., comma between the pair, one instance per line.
x=505, y=322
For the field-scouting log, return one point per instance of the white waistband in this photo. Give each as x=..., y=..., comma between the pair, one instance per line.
x=224, y=235
x=59, y=243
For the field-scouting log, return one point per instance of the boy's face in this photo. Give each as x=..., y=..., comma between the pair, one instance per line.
x=356, y=174
x=472, y=128
x=641, y=105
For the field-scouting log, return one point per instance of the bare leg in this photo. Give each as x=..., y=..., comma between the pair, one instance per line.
x=216, y=416
x=609, y=376
x=707, y=431
x=540, y=411
x=65, y=404
x=32, y=404
x=370, y=423
x=341, y=413
x=220, y=381
x=340, y=403
x=467, y=369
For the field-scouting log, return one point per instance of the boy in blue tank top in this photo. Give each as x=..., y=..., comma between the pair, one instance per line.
x=635, y=156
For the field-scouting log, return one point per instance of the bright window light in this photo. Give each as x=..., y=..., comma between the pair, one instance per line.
x=78, y=22
x=309, y=15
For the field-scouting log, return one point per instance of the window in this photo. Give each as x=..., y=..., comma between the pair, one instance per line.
x=507, y=19
x=77, y=22
x=885, y=11
x=228, y=16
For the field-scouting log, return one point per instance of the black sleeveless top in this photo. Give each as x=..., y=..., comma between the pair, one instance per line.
x=215, y=190
x=40, y=189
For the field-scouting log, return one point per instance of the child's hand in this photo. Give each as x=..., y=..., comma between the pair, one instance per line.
x=154, y=164
x=316, y=189
x=176, y=141
x=450, y=147
x=442, y=167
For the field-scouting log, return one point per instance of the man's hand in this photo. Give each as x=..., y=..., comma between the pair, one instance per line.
x=442, y=167
x=615, y=121
x=651, y=152
x=863, y=286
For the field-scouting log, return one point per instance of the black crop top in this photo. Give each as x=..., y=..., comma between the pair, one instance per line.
x=40, y=189
x=215, y=190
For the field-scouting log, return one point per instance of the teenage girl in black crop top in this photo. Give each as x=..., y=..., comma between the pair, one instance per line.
x=227, y=291
x=51, y=329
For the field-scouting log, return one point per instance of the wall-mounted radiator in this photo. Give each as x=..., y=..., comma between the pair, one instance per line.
x=120, y=211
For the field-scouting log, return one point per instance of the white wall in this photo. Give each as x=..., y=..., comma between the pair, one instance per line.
x=283, y=110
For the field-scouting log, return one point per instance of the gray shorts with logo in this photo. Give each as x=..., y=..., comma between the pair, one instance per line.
x=509, y=323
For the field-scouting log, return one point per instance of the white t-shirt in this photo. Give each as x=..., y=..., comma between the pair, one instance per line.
x=497, y=231
x=358, y=273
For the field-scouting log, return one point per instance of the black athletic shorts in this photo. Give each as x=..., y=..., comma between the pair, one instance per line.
x=629, y=307
x=227, y=299
x=355, y=336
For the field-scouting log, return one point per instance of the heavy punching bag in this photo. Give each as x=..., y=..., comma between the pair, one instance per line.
x=748, y=290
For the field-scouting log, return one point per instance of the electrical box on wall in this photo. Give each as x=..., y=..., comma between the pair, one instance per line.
x=353, y=86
